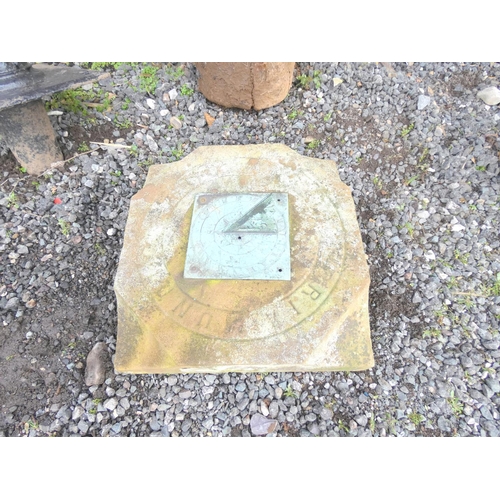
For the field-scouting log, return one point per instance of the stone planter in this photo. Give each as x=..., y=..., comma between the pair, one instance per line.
x=245, y=85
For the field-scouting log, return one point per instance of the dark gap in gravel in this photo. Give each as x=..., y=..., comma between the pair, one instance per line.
x=9, y=163
x=78, y=135
x=459, y=82
x=384, y=304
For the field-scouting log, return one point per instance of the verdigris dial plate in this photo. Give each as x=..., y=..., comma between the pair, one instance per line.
x=239, y=236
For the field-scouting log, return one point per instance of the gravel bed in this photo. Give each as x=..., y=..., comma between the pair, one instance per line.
x=420, y=151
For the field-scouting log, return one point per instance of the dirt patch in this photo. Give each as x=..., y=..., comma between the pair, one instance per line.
x=79, y=136
x=459, y=82
x=43, y=353
x=383, y=302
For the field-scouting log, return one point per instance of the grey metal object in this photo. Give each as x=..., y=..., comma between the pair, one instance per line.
x=239, y=236
x=23, y=82
x=24, y=124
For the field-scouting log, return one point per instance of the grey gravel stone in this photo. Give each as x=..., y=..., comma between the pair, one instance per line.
x=95, y=370
x=175, y=122
x=154, y=424
x=273, y=409
x=210, y=379
x=77, y=413
x=326, y=413
x=490, y=95
x=486, y=413
x=110, y=404
x=493, y=384
x=444, y=424
x=423, y=102
x=12, y=303
x=260, y=425
x=83, y=427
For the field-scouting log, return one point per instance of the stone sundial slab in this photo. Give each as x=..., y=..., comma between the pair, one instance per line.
x=193, y=297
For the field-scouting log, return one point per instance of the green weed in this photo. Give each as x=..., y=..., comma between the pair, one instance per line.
x=327, y=116
x=306, y=81
x=411, y=180
x=415, y=418
x=31, y=424
x=462, y=258
x=186, y=90
x=122, y=124
x=146, y=163
x=12, y=200
x=481, y=168
x=441, y=313
x=372, y=423
x=409, y=228
x=148, y=79
x=431, y=332
x=406, y=130
x=126, y=103
x=289, y=393
x=175, y=74
x=423, y=156
x=108, y=65
x=65, y=226
x=313, y=144
x=78, y=100
x=456, y=406
x=466, y=301
x=493, y=289
x=343, y=426
x=83, y=147
x=489, y=370
x=177, y=153
x=99, y=249
x=444, y=263
x=69, y=101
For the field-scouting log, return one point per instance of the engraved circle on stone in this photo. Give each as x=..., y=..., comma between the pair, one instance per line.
x=213, y=333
